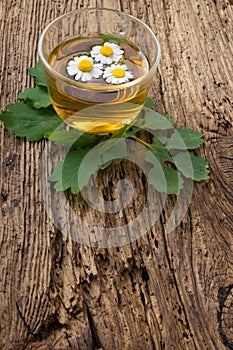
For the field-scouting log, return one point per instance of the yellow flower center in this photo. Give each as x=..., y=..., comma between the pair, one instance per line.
x=85, y=66
x=106, y=51
x=118, y=73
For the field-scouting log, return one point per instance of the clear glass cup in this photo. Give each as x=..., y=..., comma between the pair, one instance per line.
x=95, y=105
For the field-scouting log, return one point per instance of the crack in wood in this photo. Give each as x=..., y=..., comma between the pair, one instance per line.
x=225, y=315
x=94, y=332
x=176, y=284
x=26, y=325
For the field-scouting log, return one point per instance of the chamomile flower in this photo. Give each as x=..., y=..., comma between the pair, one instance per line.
x=107, y=54
x=117, y=74
x=84, y=68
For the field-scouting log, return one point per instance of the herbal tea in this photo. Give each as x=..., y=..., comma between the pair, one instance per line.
x=103, y=100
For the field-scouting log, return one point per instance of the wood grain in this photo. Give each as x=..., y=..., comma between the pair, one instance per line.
x=163, y=291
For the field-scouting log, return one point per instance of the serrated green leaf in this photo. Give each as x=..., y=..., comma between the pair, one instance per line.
x=185, y=139
x=24, y=120
x=79, y=165
x=89, y=140
x=160, y=151
x=38, y=74
x=192, y=166
x=164, y=179
x=98, y=157
x=149, y=102
x=173, y=181
x=65, y=173
x=126, y=132
x=38, y=97
x=64, y=138
x=112, y=149
x=56, y=176
x=162, y=139
x=75, y=139
x=106, y=165
x=154, y=121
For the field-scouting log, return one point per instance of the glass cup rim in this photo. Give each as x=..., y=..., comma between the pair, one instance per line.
x=95, y=87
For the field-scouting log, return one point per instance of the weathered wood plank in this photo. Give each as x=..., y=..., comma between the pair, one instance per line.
x=163, y=291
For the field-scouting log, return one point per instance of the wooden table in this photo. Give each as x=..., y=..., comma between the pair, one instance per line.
x=165, y=290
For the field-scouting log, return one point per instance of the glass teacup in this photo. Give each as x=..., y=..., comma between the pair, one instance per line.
x=98, y=64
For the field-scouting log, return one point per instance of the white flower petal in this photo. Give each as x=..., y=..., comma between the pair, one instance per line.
x=96, y=49
x=86, y=76
x=76, y=59
x=104, y=59
x=109, y=79
x=72, y=71
x=116, y=58
x=123, y=80
x=87, y=58
x=108, y=69
x=112, y=45
x=97, y=57
x=109, y=60
x=78, y=75
x=96, y=72
x=98, y=65
x=128, y=75
x=72, y=63
x=107, y=74
x=119, y=51
x=115, y=81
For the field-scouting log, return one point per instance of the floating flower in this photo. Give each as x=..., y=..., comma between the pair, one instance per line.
x=84, y=68
x=107, y=54
x=117, y=74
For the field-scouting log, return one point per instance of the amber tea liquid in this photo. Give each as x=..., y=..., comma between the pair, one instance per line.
x=96, y=106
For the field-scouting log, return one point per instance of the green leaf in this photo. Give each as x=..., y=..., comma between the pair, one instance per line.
x=149, y=102
x=98, y=157
x=154, y=121
x=169, y=119
x=75, y=139
x=89, y=140
x=38, y=74
x=126, y=132
x=65, y=173
x=68, y=172
x=192, y=166
x=38, y=97
x=160, y=151
x=24, y=120
x=163, y=178
x=56, y=176
x=185, y=139
x=106, y=165
x=64, y=138
x=114, y=149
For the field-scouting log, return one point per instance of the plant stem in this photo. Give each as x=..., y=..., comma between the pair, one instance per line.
x=142, y=142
